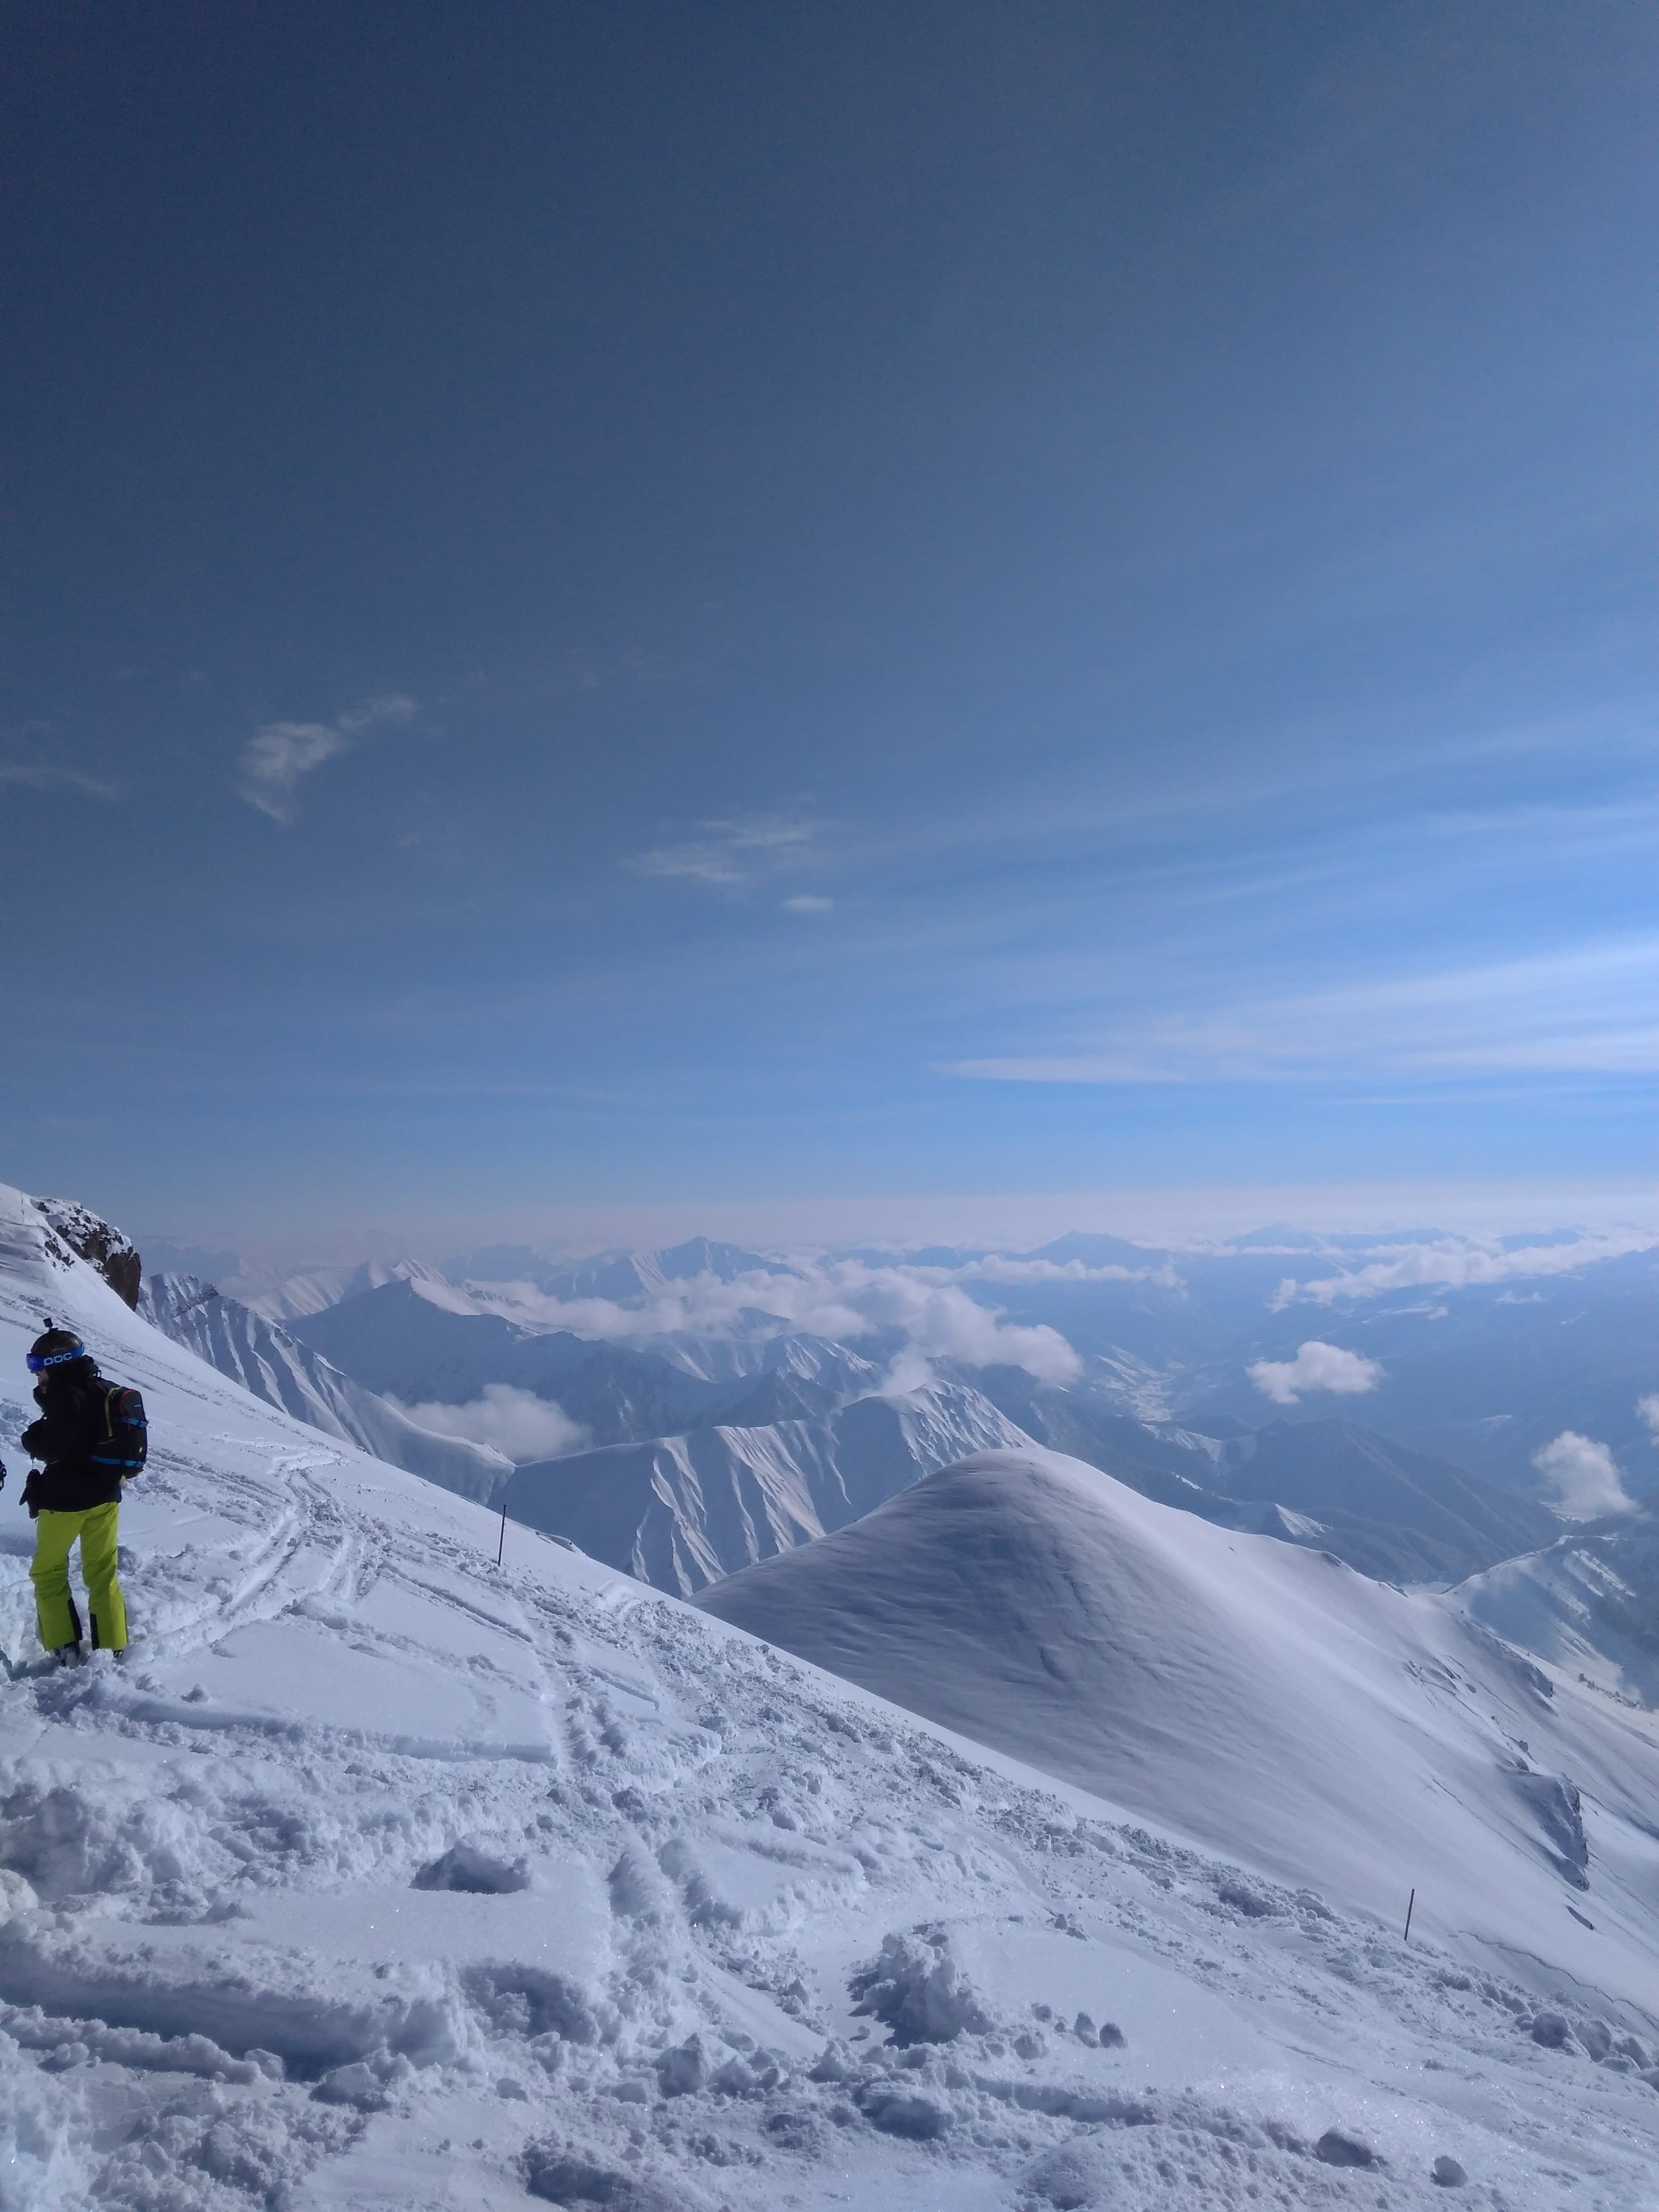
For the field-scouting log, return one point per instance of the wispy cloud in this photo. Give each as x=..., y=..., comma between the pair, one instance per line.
x=278, y=754
x=391, y=707
x=1592, y=1010
x=40, y=775
x=730, y=851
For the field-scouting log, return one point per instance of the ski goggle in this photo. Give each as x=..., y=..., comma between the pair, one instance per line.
x=39, y=1361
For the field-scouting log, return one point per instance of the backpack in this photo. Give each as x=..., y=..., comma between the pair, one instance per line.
x=123, y=1444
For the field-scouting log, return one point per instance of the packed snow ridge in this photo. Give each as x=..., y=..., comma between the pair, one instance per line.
x=382, y=1876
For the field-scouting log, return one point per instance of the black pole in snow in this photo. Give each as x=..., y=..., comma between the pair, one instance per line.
x=502, y=1545
x=1410, y=1902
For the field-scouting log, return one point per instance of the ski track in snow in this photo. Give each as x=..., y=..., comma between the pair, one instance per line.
x=384, y=1877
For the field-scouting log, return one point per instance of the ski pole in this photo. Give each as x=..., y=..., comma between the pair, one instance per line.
x=1410, y=1902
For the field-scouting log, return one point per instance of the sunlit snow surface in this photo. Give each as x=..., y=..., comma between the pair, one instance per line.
x=1265, y=1699
x=382, y=1877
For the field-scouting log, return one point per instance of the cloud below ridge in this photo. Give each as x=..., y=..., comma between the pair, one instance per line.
x=1584, y=1477
x=515, y=1422
x=1317, y=1366
x=842, y=1299
x=1462, y=1263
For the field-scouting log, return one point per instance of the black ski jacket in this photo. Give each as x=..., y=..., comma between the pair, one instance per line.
x=71, y=1402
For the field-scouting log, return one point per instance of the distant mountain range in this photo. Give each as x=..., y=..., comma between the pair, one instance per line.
x=275, y=1367
x=620, y=1277
x=684, y=1511
x=1400, y=1515
x=1392, y=1511
x=719, y=1430
x=399, y=1341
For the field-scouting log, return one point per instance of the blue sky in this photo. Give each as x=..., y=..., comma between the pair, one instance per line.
x=698, y=607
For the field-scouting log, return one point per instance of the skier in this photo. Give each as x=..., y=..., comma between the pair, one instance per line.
x=91, y=1436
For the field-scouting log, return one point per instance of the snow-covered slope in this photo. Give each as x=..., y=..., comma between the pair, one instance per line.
x=1588, y=1603
x=383, y=1878
x=271, y=1364
x=685, y=1510
x=1257, y=1695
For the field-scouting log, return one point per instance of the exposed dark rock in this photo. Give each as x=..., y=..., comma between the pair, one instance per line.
x=90, y=1238
x=1336, y=2148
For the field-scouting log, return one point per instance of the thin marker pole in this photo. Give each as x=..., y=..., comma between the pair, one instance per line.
x=1410, y=1902
x=501, y=1545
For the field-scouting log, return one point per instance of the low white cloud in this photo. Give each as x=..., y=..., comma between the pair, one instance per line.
x=1316, y=1367
x=733, y=850
x=1648, y=1408
x=515, y=1422
x=907, y=1371
x=993, y=1269
x=278, y=754
x=842, y=1299
x=1459, y=1262
x=1584, y=1475
x=943, y=1322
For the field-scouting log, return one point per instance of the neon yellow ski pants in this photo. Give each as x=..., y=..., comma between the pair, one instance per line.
x=60, y=1623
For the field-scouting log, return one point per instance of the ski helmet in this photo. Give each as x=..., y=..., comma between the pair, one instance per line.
x=55, y=1349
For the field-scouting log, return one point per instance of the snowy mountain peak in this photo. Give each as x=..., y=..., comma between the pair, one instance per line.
x=703, y=1255
x=1140, y=1653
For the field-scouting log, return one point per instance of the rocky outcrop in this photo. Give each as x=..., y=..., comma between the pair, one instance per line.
x=109, y=1249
